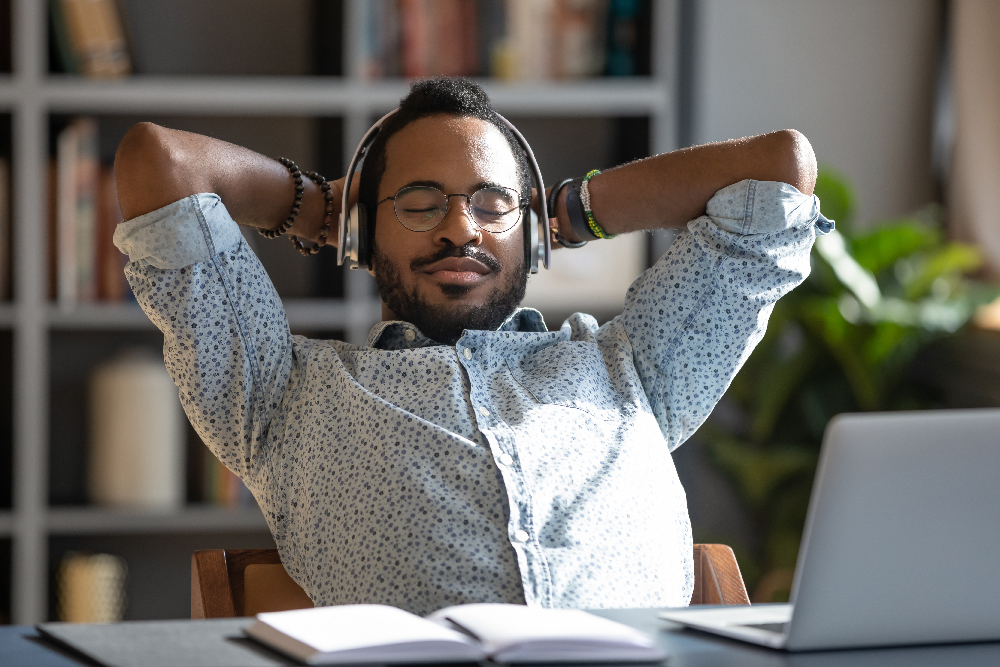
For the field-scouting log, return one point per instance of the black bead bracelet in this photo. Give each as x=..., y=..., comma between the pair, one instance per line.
x=296, y=204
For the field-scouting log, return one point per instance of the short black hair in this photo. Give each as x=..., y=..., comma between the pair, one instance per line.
x=428, y=97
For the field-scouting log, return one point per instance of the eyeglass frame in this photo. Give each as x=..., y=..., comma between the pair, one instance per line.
x=522, y=204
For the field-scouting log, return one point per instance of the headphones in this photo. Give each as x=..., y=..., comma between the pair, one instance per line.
x=357, y=227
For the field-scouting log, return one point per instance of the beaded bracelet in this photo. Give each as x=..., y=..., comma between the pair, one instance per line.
x=574, y=207
x=296, y=204
x=585, y=198
x=324, y=230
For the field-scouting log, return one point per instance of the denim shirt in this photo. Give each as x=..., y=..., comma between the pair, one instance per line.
x=519, y=465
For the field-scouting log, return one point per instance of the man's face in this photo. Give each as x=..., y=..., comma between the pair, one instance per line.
x=456, y=276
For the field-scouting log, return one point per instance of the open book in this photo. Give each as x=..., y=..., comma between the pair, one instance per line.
x=466, y=633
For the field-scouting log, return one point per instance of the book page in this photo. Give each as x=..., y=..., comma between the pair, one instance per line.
x=513, y=633
x=352, y=627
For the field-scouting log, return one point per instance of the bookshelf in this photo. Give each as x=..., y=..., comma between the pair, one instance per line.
x=32, y=530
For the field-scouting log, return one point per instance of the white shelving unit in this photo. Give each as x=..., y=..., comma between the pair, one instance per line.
x=30, y=94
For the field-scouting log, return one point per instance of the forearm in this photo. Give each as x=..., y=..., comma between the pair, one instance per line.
x=155, y=166
x=671, y=189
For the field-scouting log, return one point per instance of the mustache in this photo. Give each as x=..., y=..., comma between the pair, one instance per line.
x=467, y=250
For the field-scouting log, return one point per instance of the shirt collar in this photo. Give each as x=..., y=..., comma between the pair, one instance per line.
x=398, y=335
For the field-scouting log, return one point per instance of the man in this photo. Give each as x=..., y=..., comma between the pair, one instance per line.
x=465, y=453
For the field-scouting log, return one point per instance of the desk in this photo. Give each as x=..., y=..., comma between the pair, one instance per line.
x=20, y=645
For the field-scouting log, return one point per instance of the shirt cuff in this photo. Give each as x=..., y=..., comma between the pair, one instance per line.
x=762, y=207
x=188, y=231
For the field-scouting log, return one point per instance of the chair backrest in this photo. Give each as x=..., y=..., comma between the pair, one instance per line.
x=245, y=582
x=241, y=582
x=717, y=578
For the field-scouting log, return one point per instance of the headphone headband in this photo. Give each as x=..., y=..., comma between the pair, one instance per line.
x=351, y=248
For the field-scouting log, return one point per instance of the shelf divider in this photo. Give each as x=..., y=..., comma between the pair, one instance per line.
x=191, y=519
x=29, y=580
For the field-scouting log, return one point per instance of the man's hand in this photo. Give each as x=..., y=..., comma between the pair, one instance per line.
x=155, y=166
x=670, y=189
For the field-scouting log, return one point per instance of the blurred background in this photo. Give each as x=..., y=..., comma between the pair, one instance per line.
x=899, y=98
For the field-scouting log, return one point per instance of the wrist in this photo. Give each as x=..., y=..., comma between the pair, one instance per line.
x=311, y=213
x=561, y=215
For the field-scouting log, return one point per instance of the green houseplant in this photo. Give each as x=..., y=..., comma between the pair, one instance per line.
x=841, y=342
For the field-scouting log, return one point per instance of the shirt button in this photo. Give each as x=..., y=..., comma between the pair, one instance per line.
x=467, y=353
x=483, y=411
x=521, y=535
x=409, y=335
x=506, y=459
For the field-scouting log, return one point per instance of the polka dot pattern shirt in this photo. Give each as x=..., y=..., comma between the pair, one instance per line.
x=519, y=465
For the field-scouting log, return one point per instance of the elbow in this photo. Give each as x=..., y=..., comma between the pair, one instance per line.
x=146, y=169
x=140, y=146
x=797, y=160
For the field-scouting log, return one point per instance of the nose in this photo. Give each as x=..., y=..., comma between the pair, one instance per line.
x=457, y=227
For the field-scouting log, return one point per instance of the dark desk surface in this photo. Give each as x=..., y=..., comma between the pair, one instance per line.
x=21, y=645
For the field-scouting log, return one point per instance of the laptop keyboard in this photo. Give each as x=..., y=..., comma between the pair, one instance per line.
x=773, y=627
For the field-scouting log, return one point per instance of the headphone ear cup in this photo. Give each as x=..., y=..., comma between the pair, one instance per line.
x=528, y=245
x=365, y=235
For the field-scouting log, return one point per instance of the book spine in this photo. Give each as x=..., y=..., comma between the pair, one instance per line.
x=87, y=177
x=67, y=151
x=531, y=24
x=391, y=39
x=446, y=51
x=492, y=38
x=413, y=32
x=61, y=33
x=578, y=38
x=372, y=67
x=469, y=24
x=622, y=37
x=111, y=284
x=96, y=37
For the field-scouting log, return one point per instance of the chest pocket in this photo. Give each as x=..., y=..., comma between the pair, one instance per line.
x=572, y=374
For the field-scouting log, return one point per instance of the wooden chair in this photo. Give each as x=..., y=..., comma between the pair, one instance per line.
x=241, y=582
x=717, y=578
x=245, y=582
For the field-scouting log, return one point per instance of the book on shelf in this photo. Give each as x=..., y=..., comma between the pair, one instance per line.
x=90, y=37
x=504, y=633
x=84, y=202
x=90, y=588
x=223, y=487
x=137, y=434
x=516, y=40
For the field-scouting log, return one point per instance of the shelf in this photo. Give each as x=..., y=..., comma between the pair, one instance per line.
x=331, y=313
x=327, y=314
x=323, y=95
x=193, y=519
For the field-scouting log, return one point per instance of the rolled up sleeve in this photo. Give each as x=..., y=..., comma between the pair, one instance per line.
x=227, y=345
x=695, y=316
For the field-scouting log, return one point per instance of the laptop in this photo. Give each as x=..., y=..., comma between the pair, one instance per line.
x=901, y=544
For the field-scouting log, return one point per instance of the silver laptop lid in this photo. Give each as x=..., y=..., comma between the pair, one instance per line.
x=902, y=540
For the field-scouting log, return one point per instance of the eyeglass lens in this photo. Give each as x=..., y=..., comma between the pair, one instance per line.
x=421, y=208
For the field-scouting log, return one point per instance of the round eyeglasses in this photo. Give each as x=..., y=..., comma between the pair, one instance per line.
x=421, y=208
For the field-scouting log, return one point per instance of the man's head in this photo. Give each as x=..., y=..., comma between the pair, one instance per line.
x=457, y=275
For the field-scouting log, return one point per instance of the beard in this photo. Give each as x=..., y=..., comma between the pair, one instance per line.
x=445, y=323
